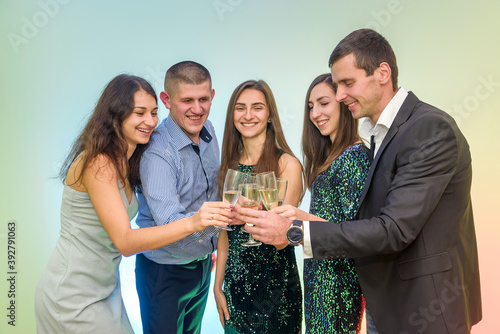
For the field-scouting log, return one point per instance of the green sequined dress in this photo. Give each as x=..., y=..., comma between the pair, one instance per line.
x=262, y=286
x=332, y=295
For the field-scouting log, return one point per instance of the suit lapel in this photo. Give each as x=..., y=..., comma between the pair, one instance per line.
x=402, y=116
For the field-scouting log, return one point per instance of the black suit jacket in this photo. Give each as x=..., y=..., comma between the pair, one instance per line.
x=414, y=242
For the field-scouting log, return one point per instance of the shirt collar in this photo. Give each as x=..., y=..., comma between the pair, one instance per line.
x=205, y=135
x=387, y=116
x=180, y=138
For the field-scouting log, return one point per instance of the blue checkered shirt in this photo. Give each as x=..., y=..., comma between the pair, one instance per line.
x=176, y=181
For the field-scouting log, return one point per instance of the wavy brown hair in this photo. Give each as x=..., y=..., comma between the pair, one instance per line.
x=319, y=151
x=103, y=133
x=232, y=144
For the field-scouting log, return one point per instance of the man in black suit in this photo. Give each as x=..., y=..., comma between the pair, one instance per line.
x=413, y=242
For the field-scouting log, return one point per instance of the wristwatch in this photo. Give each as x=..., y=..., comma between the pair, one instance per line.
x=295, y=234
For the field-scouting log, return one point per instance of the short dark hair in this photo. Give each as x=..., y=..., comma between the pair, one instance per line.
x=370, y=49
x=186, y=72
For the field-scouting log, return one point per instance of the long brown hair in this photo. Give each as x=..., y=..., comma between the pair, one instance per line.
x=319, y=151
x=232, y=144
x=103, y=133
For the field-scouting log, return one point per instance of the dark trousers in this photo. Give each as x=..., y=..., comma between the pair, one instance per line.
x=172, y=297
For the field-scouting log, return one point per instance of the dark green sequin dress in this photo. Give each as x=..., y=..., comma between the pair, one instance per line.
x=262, y=286
x=332, y=295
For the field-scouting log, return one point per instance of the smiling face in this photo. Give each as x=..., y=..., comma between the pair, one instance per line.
x=251, y=114
x=139, y=125
x=361, y=93
x=324, y=111
x=189, y=107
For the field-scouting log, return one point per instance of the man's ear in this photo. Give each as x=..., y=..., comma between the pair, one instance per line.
x=212, y=94
x=384, y=73
x=165, y=98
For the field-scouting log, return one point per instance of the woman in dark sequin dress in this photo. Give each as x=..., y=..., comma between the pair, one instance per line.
x=257, y=289
x=336, y=166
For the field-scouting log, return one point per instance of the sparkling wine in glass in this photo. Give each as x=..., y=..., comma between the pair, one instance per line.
x=249, y=199
x=269, y=197
x=282, y=185
x=231, y=196
x=268, y=189
x=230, y=192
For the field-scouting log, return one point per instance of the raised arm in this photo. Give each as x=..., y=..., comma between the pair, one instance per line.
x=159, y=174
x=101, y=182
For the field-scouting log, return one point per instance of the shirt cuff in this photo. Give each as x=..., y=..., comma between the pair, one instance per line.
x=308, y=254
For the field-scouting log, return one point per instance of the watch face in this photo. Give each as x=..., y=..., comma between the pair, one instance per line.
x=295, y=235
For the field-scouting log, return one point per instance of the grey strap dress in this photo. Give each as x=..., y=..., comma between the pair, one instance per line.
x=79, y=291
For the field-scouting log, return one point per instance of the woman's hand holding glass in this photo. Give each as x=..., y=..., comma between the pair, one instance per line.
x=293, y=213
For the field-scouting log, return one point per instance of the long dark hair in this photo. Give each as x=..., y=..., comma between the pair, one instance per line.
x=232, y=144
x=319, y=151
x=103, y=133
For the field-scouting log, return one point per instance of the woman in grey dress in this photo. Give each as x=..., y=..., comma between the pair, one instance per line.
x=79, y=292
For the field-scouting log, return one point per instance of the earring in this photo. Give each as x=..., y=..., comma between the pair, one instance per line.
x=269, y=121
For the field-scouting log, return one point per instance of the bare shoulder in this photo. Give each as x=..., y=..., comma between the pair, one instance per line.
x=101, y=168
x=288, y=162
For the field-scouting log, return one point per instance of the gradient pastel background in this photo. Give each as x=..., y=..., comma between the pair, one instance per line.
x=57, y=56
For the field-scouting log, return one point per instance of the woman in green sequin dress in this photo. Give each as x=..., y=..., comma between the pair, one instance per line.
x=336, y=166
x=257, y=289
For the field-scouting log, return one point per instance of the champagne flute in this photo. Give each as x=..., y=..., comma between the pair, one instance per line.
x=268, y=189
x=230, y=192
x=249, y=180
x=282, y=185
x=249, y=199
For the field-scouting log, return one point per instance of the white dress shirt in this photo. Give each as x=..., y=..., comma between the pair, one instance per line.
x=384, y=122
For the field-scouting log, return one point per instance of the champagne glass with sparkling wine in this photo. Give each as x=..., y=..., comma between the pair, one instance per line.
x=230, y=192
x=268, y=189
x=250, y=199
x=282, y=185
